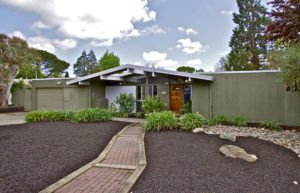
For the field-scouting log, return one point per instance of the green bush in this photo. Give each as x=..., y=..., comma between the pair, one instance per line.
x=270, y=125
x=160, y=121
x=35, y=116
x=113, y=109
x=217, y=120
x=186, y=108
x=69, y=116
x=191, y=121
x=239, y=121
x=126, y=104
x=93, y=114
x=153, y=104
x=138, y=114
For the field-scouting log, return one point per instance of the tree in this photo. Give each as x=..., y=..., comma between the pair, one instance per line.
x=186, y=69
x=80, y=67
x=221, y=64
x=14, y=53
x=200, y=70
x=30, y=71
x=93, y=65
x=109, y=60
x=248, y=42
x=285, y=24
x=51, y=66
x=289, y=62
x=86, y=64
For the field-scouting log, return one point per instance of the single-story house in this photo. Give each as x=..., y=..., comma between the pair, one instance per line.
x=258, y=95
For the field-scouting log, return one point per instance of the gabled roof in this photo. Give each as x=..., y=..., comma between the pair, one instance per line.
x=134, y=69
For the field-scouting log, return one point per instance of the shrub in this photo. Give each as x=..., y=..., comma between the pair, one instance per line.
x=92, y=114
x=270, y=125
x=138, y=114
x=186, y=108
x=217, y=120
x=126, y=103
x=153, y=104
x=160, y=121
x=69, y=116
x=191, y=121
x=113, y=109
x=35, y=116
x=239, y=121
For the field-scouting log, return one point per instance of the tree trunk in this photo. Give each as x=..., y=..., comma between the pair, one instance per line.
x=6, y=83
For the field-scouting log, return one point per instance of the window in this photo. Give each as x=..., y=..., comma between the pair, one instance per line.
x=153, y=90
x=141, y=93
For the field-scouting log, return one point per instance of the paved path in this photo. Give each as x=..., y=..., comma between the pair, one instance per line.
x=116, y=169
x=12, y=118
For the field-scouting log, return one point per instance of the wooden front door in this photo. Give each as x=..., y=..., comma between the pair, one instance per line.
x=176, y=97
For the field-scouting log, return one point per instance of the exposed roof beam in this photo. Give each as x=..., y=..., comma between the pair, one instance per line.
x=113, y=78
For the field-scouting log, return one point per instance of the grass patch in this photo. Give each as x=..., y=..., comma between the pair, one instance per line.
x=191, y=121
x=160, y=121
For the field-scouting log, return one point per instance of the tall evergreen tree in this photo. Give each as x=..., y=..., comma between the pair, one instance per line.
x=248, y=42
x=81, y=66
x=93, y=63
x=109, y=60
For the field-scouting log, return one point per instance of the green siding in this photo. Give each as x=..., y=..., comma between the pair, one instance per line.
x=258, y=96
x=97, y=94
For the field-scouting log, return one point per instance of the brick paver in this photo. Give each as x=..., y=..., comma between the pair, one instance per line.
x=112, y=173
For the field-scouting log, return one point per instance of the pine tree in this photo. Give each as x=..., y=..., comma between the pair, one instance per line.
x=248, y=42
x=93, y=65
x=81, y=66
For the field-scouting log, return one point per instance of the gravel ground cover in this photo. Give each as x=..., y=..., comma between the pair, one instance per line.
x=34, y=156
x=287, y=138
x=186, y=162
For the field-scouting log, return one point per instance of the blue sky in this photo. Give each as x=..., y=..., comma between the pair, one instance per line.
x=166, y=33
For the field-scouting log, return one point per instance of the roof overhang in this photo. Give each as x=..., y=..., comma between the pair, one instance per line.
x=126, y=73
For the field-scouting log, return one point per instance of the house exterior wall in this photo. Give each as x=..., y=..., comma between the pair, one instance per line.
x=74, y=97
x=258, y=96
x=22, y=98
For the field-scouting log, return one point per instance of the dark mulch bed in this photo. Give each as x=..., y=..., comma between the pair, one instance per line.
x=34, y=156
x=185, y=162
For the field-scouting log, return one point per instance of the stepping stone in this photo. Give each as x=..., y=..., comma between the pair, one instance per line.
x=227, y=136
x=237, y=152
x=198, y=130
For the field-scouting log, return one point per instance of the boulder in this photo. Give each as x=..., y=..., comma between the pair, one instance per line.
x=198, y=130
x=228, y=136
x=237, y=152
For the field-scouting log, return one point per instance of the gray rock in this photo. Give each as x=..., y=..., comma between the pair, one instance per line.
x=198, y=130
x=228, y=136
x=237, y=152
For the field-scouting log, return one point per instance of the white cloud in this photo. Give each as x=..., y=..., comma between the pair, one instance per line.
x=180, y=28
x=39, y=25
x=154, y=56
x=65, y=44
x=190, y=31
x=194, y=62
x=102, y=43
x=50, y=45
x=224, y=12
x=158, y=59
x=189, y=47
x=17, y=34
x=89, y=19
x=152, y=29
x=166, y=63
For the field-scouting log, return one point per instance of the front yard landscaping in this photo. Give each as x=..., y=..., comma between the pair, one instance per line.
x=180, y=161
x=36, y=155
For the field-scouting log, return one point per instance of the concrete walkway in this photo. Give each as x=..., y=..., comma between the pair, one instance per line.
x=12, y=118
x=116, y=169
